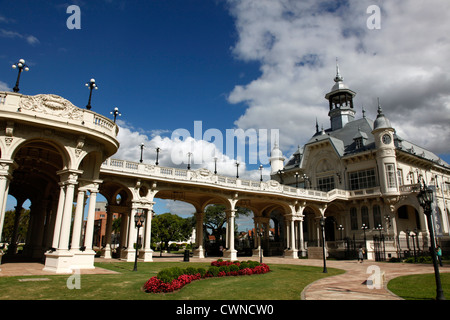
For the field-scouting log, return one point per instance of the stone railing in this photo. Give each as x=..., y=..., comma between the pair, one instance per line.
x=204, y=176
x=54, y=110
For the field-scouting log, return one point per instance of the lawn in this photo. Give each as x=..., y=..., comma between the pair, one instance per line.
x=419, y=287
x=284, y=282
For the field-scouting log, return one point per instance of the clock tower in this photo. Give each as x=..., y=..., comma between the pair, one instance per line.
x=386, y=159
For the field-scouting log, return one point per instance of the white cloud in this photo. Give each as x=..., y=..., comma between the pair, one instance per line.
x=4, y=86
x=32, y=40
x=405, y=64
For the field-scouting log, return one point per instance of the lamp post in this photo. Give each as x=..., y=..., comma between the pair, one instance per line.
x=116, y=113
x=341, y=228
x=364, y=228
x=142, y=152
x=189, y=160
x=425, y=198
x=139, y=219
x=91, y=85
x=322, y=225
x=215, y=165
x=157, y=155
x=21, y=66
x=260, y=172
x=237, y=169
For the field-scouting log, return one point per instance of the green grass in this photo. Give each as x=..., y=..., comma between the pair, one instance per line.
x=284, y=282
x=419, y=287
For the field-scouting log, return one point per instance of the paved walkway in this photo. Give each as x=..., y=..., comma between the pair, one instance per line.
x=351, y=285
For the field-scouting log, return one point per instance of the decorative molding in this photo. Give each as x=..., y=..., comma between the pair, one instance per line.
x=51, y=105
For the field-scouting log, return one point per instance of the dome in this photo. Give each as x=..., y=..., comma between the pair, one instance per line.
x=381, y=121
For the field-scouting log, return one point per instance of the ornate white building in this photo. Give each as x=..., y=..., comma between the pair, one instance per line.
x=380, y=169
x=357, y=173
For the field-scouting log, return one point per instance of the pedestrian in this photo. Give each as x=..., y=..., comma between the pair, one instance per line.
x=439, y=255
x=360, y=254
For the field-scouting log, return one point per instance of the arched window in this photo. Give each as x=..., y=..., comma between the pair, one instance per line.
x=365, y=216
x=377, y=215
x=354, y=218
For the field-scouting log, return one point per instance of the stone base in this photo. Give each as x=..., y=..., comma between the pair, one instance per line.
x=58, y=262
x=256, y=253
x=199, y=253
x=230, y=255
x=146, y=255
x=64, y=261
x=291, y=254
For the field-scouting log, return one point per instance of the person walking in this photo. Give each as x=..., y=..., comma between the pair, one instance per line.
x=439, y=254
x=360, y=254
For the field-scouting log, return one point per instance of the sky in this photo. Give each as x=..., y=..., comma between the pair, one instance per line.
x=208, y=67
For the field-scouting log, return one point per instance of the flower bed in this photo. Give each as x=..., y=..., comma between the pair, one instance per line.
x=172, y=279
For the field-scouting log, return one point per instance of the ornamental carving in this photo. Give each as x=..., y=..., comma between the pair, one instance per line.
x=52, y=105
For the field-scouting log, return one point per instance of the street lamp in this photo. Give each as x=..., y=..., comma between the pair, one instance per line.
x=296, y=179
x=237, y=169
x=139, y=219
x=341, y=228
x=157, y=155
x=260, y=171
x=142, y=152
x=425, y=198
x=22, y=66
x=379, y=228
x=91, y=85
x=322, y=225
x=189, y=160
x=116, y=113
x=215, y=165
x=364, y=228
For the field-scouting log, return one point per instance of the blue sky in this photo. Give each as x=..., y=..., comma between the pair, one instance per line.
x=262, y=64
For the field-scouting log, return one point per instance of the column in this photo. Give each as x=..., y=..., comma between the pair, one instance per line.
x=59, y=214
x=89, y=232
x=199, y=252
x=106, y=252
x=13, y=246
x=66, y=219
x=148, y=252
x=78, y=221
x=291, y=251
x=131, y=250
x=4, y=188
x=302, y=242
x=231, y=253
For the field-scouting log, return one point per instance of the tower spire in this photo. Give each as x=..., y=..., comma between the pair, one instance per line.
x=338, y=77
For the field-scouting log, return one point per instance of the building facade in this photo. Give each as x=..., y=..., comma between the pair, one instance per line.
x=381, y=170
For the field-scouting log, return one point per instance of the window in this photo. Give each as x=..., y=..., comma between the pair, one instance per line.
x=390, y=175
x=325, y=183
x=362, y=179
x=376, y=215
x=365, y=216
x=353, y=219
x=400, y=177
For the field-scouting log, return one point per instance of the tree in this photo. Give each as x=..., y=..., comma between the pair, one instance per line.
x=170, y=227
x=8, y=226
x=216, y=217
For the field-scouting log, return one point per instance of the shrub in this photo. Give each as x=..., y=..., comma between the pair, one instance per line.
x=172, y=279
x=213, y=271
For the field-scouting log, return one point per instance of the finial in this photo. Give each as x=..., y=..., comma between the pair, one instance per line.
x=338, y=74
x=363, y=112
x=380, y=111
x=317, y=126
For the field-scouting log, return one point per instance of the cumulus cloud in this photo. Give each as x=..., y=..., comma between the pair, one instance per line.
x=178, y=150
x=404, y=63
x=30, y=39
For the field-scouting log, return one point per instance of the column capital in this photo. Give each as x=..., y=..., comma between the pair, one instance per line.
x=68, y=176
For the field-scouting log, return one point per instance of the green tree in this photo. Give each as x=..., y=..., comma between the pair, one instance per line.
x=8, y=226
x=216, y=217
x=170, y=227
